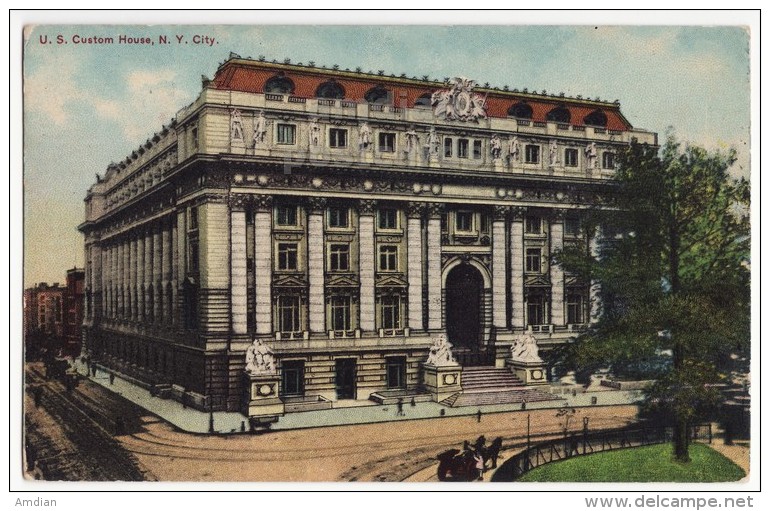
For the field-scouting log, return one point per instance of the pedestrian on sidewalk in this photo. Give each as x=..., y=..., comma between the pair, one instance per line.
x=112, y=378
x=400, y=407
x=478, y=415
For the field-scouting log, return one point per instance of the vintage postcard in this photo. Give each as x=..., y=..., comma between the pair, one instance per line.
x=388, y=253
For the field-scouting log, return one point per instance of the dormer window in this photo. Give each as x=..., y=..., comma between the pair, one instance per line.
x=379, y=96
x=596, y=118
x=559, y=114
x=520, y=110
x=279, y=84
x=423, y=101
x=330, y=90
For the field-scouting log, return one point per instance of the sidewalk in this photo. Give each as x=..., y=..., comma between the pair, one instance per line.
x=195, y=421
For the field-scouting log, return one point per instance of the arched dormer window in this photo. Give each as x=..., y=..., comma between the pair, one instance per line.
x=520, y=110
x=330, y=90
x=279, y=84
x=596, y=118
x=423, y=101
x=379, y=95
x=559, y=114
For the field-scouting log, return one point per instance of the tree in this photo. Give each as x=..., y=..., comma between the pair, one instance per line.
x=674, y=272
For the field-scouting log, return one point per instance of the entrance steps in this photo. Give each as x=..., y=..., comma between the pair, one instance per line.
x=491, y=386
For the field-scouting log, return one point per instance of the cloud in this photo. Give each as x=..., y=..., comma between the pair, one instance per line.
x=50, y=88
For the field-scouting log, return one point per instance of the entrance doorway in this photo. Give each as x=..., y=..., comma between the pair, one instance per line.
x=345, y=378
x=464, y=289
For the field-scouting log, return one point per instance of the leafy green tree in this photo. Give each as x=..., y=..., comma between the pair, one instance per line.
x=674, y=273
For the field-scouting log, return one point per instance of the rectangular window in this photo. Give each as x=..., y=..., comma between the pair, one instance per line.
x=462, y=147
x=338, y=137
x=195, y=137
x=477, y=149
x=396, y=372
x=608, y=160
x=387, y=142
x=340, y=313
x=536, y=309
x=193, y=225
x=534, y=225
x=571, y=226
x=444, y=222
x=575, y=308
x=338, y=217
x=533, y=263
x=287, y=256
x=464, y=221
x=571, y=157
x=292, y=377
x=447, y=148
x=387, y=219
x=288, y=314
x=194, y=255
x=484, y=223
x=286, y=215
x=532, y=154
x=339, y=257
x=388, y=258
x=390, y=312
x=287, y=134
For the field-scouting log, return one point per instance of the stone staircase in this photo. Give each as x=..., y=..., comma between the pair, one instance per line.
x=491, y=385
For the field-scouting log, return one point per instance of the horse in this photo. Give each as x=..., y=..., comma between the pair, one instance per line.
x=492, y=452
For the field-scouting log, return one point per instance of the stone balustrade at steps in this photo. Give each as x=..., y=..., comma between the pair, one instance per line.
x=491, y=385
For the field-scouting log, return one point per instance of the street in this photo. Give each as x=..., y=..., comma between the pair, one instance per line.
x=73, y=435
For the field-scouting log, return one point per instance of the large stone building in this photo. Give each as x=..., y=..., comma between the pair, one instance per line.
x=344, y=219
x=53, y=314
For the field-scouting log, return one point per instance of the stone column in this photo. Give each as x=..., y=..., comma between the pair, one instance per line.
x=557, y=272
x=414, y=263
x=517, y=267
x=594, y=243
x=124, y=280
x=166, y=270
x=97, y=287
x=132, y=284
x=140, y=277
x=157, y=254
x=434, y=266
x=366, y=263
x=263, y=269
x=238, y=284
x=111, y=259
x=181, y=263
x=315, y=264
x=499, y=301
x=148, y=277
x=172, y=306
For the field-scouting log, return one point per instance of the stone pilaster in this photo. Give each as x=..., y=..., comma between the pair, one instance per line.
x=499, y=319
x=517, y=268
x=181, y=262
x=315, y=264
x=165, y=238
x=133, y=261
x=238, y=302
x=414, y=264
x=557, y=272
x=434, y=266
x=124, y=280
x=263, y=270
x=366, y=262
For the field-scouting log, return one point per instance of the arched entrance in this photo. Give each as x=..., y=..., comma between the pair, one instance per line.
x=464, y=291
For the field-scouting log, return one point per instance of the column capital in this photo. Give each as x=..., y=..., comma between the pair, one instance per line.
x=518, y=213
x=240, y=201
x=367, y=207
x=557, y=214
x=435, y=209
x=262, y=202
x=500, y=212
x=316, y=204
x=415, y=209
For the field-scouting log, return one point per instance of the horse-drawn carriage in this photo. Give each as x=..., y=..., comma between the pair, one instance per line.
x=470, y=463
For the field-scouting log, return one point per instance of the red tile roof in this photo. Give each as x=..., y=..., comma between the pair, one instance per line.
x=250, y=76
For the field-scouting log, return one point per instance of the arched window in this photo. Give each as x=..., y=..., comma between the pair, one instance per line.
x=596, y=118
x=279, y=84
x=559, y=114
x=520, y=110
x=379, y=95
x=423, y=101
x=330, y=90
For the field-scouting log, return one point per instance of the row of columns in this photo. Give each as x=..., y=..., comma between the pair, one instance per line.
x=423, y=267
x=133, y=274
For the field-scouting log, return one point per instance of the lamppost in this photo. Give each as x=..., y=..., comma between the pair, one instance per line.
x=211, y=416
x=585, y=433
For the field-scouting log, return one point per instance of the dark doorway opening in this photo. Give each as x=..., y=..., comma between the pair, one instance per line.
x=293, y=378
x=345, y=378
x=464, y=288
x=396, y=372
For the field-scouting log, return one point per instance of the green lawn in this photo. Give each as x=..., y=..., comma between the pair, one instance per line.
x=653, y=463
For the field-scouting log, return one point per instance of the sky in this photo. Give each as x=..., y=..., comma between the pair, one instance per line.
x=86, y=105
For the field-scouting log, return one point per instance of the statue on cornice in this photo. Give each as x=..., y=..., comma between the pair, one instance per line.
x=496, y=147
x=260, y=129
x=459, y=103
x=514, y=148
x=364, y=136
x=236, y=125
x=440, y=354
x=260, y=359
